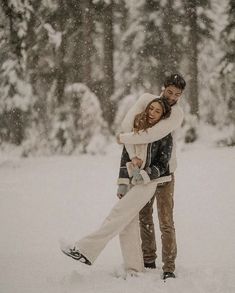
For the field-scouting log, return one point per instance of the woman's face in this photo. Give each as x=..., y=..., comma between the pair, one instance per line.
x=155, y=112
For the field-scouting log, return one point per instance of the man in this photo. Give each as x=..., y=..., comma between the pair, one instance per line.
x=174, y=86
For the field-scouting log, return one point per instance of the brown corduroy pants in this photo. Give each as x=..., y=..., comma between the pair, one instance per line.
x=165, y=204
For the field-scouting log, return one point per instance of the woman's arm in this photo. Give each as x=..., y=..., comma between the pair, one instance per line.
x=158, y=131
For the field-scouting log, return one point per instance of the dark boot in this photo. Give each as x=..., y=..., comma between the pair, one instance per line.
x=167, y=275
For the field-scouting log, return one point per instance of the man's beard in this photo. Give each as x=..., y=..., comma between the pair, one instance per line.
x=169, y=101
x=172, y=103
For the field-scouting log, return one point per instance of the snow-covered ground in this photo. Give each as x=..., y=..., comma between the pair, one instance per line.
x=45, y=199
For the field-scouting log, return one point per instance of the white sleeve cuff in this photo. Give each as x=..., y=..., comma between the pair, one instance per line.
x=123, y=181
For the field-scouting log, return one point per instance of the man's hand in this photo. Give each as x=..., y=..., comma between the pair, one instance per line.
x=137, y=162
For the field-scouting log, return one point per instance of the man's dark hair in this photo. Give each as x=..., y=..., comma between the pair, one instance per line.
x=176, y=80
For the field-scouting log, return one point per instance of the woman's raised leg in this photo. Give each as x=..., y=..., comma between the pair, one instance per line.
x=120, y=216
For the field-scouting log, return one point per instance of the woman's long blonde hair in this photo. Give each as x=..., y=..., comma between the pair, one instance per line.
x=141, y=120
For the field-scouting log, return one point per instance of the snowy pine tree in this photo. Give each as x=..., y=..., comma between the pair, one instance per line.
x=199, y=27
x=228, y=73
x=15, y=89
x=211, y=94
x=151, y=45
x=79, y=125
x=118, y=49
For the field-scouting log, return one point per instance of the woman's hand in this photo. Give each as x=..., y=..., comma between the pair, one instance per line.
x=137, y=162
x=122, y=190
x=118, y=139
x=137, y=177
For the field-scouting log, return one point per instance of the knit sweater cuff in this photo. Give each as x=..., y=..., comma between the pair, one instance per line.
x=145, y=176
x=130, y=169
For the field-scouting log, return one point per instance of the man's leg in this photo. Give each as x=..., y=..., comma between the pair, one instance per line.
x=165, y=205
x=147, y=232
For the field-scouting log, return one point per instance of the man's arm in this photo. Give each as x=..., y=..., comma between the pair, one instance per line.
x=158, y=131
x=139, y=106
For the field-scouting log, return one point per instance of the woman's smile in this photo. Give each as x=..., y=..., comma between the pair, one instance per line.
x=155, y=112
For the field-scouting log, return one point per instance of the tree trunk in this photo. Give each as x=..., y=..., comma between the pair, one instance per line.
x=167, y=64
x=15, y=41
x=61, y=72
x=107, y=105
x=172, y=54
x=14, y=118
x=191, y=12
x=61, y=68
x=87, y=28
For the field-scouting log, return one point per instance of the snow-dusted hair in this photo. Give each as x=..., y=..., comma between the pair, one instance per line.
x=176, y=80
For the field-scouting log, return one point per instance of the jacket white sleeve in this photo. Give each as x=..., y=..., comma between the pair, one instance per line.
x=128, y=121
x=158, y=131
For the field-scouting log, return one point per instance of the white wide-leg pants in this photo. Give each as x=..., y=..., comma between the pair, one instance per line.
x=130, y=242
x=124, y=220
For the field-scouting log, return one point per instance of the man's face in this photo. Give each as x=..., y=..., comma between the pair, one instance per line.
x=172, y=94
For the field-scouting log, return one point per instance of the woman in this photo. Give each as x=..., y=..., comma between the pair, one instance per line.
x=156, y=109
x=138, y=185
